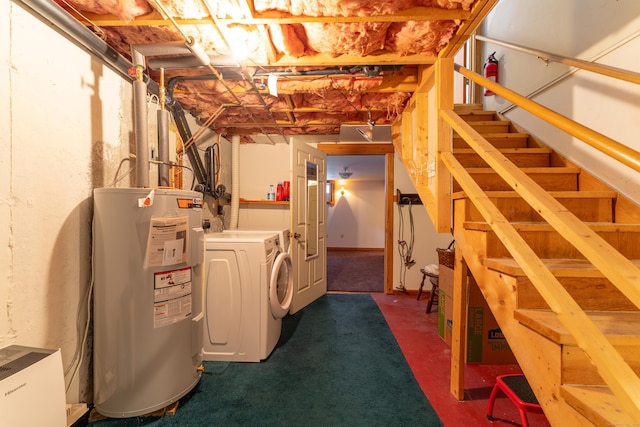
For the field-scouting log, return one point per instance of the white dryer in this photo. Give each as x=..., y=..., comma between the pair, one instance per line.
x=248, y=290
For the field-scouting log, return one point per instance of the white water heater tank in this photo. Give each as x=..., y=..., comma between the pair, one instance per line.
x=148, y=315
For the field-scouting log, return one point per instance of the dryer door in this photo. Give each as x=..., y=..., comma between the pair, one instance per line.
x=281, y=285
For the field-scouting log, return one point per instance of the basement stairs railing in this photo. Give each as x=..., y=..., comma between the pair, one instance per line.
x=555, y=252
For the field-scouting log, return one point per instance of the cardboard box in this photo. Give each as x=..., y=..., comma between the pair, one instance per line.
x=485, y=341
x=445, y=312
x=442, y=297
x=445, y=279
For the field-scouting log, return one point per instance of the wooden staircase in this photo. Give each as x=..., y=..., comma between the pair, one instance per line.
x=568, y=386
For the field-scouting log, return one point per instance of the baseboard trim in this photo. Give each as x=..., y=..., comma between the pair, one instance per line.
x=354, y=249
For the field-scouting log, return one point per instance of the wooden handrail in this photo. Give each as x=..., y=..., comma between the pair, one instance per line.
x=613, y=265
x=604, y=70
x=606, y=145
x=621, y=379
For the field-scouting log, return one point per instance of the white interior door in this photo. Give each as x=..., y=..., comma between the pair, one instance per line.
x=308, y=223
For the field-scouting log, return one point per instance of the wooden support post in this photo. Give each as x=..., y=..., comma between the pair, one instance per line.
x=459, y=315
x=407, y=136
x=444, y=101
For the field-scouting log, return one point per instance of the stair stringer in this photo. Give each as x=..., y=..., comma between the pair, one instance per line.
x=538, y=357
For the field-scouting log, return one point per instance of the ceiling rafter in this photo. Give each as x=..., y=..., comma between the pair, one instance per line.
x=274, y=17
x=376, y=58
x=412, y=14
x=290, y=110
x=404, y=80
x=248, y=10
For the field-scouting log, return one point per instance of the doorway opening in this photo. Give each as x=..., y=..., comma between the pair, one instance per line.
x=356, y=224
x=387, y=151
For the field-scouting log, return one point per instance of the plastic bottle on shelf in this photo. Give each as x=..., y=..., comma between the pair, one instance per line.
x=271, y=195
x=285, y=192
x=279, y=192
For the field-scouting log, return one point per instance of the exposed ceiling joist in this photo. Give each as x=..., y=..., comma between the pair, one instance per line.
x=279, y=18
x=376, y=54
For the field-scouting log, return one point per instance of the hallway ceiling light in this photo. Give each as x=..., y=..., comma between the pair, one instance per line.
x=345, y=174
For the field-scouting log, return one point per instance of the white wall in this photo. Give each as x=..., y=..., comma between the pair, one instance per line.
x=262, y=165
x=61, y=137
x=605, y=31
x=426, y=238
x=66, y=128
x=356, y=220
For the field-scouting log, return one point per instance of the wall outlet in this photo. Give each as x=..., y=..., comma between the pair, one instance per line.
x=407, y=198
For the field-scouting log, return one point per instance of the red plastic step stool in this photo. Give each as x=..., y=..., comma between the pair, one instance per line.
x=518, y=390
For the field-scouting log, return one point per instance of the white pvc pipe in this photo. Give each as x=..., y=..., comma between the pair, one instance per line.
x=235, y=182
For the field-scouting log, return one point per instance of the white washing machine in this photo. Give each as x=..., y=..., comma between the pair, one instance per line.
x=283, y=236
x=248, y=290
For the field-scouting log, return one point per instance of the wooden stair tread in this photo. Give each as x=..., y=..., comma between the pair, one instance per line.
x=472, y=116
x=566, y=267
x=492, y=122
x=620, y=327
x=556, y=194
x=541, y=170
x=520, y=150
x=462, y=109
x=597, y=403
x=506, y=135
x=542, y=226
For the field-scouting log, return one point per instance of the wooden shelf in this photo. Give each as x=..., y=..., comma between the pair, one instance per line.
x=263, y=202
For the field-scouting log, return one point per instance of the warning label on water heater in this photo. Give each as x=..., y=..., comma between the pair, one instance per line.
x=171, y=297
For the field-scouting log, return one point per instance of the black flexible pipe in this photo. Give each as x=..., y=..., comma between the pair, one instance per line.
x=185, y=133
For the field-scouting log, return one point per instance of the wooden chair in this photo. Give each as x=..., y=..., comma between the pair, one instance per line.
x=433, y=299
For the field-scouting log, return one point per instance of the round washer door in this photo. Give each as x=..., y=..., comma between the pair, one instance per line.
x=281, y=285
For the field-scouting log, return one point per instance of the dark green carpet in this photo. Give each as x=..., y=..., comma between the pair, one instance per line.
x=337, y=364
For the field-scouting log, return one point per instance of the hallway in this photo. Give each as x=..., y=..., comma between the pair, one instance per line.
x=355, y=270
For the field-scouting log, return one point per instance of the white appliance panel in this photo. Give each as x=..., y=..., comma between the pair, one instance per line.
x=240, y=324
x=31, y=387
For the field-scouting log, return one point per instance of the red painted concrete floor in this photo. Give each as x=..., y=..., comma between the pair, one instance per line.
x=430, y=361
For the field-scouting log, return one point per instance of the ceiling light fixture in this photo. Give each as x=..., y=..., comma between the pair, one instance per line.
x=344, y=173
x=367, y=133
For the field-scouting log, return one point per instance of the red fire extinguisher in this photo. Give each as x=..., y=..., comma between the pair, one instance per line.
x=491, y=72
